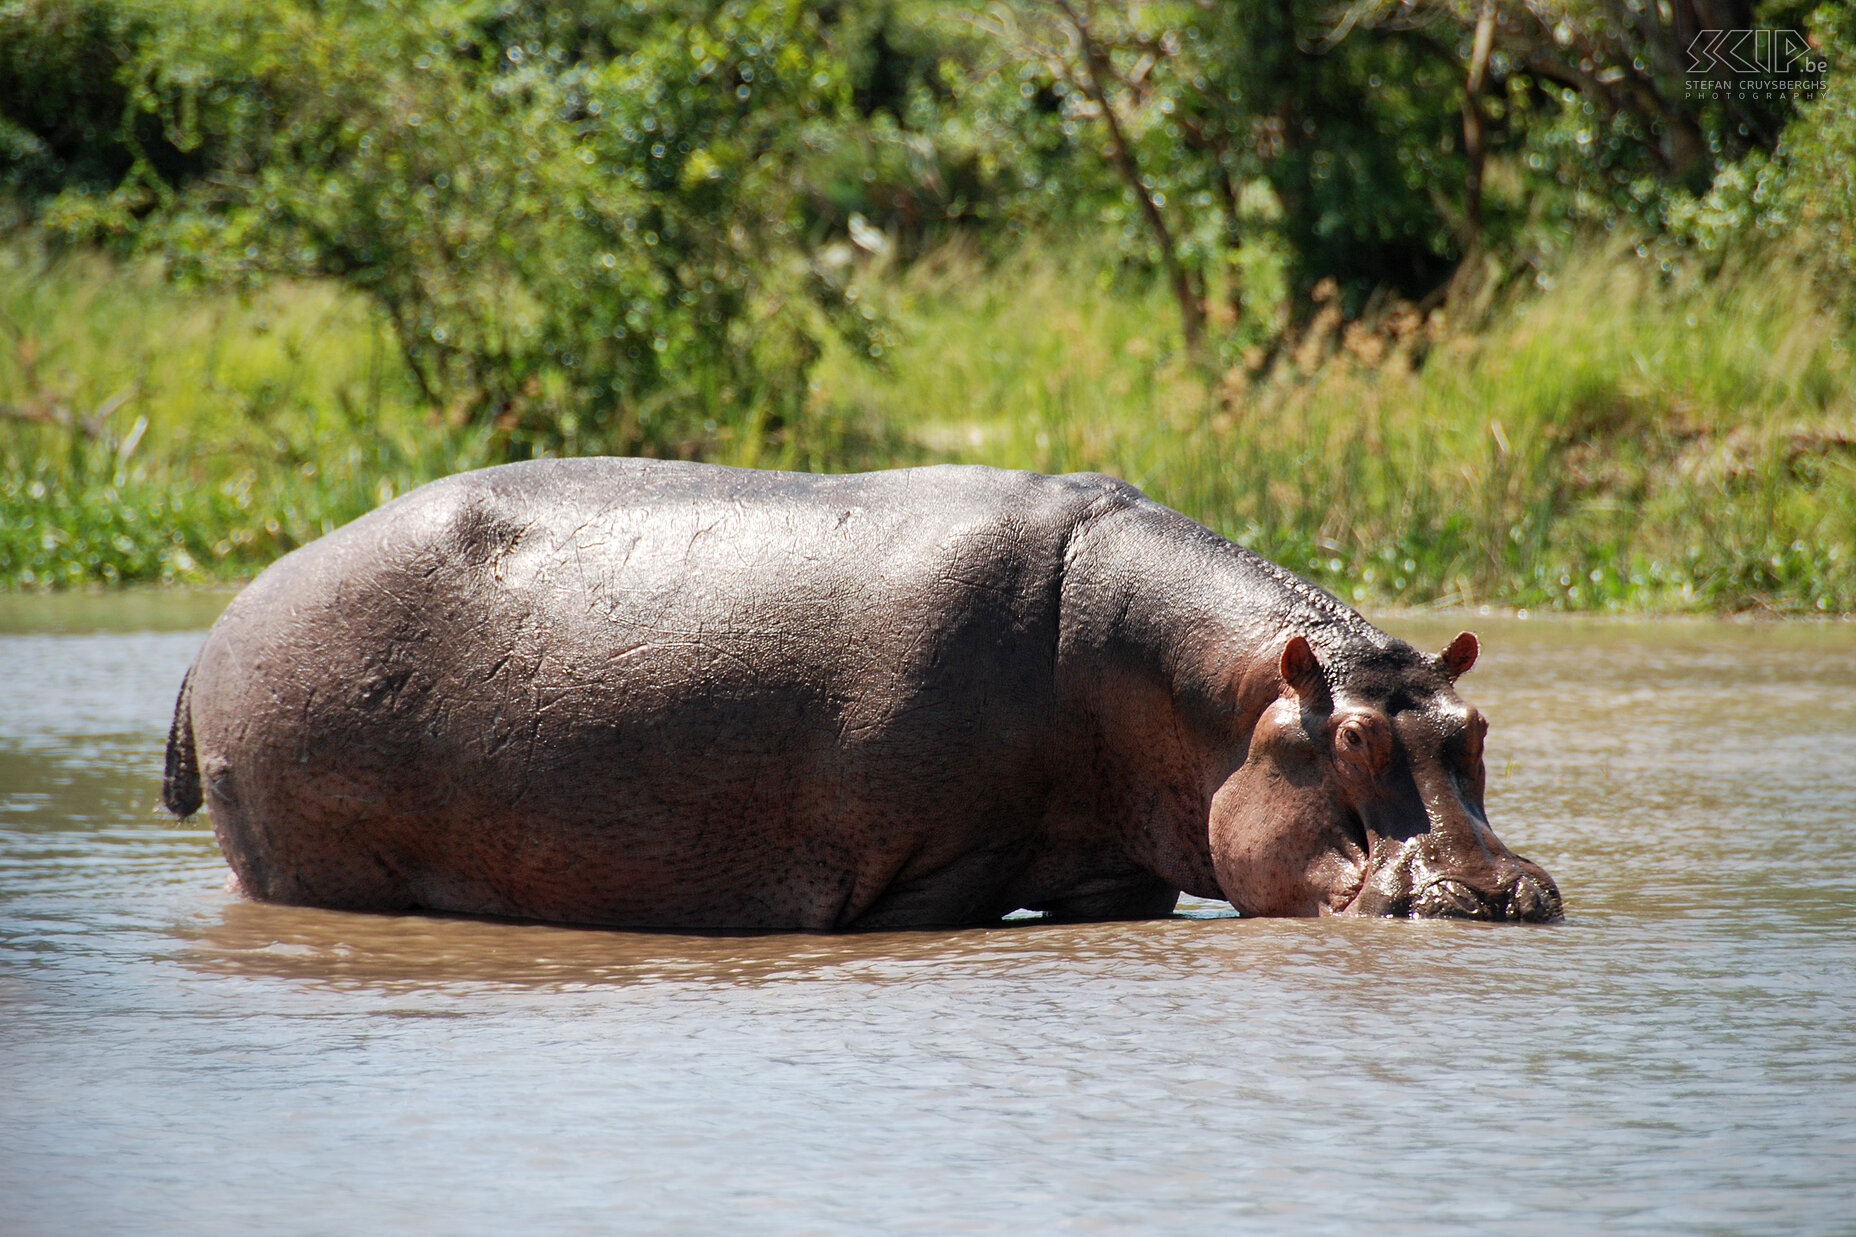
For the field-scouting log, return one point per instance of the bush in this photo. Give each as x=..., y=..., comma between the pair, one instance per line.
x=579, y=223
x=1628, y=438
x=1800, y=199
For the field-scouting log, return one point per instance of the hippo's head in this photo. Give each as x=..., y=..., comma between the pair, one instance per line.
x=1361, y=793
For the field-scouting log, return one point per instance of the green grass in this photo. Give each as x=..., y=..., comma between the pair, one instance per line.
x=236, y=427
x=1626, y=438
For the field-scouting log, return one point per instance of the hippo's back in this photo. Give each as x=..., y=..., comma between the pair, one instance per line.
x=644, y=692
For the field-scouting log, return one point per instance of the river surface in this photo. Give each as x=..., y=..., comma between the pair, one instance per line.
x=1678, y=1056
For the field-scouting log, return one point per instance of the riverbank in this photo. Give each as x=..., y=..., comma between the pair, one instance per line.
x=1631, y=435
x=1626, y=437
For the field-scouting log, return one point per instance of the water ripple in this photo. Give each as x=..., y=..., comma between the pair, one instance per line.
x=1679, y=1056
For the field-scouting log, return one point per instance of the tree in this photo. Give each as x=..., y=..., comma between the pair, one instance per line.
x=579, y=221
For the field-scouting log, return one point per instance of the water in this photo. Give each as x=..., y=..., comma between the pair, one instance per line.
x=1678, y=1056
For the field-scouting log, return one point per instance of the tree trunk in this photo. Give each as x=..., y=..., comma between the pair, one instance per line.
x=1473, y=124
x=1095, y=70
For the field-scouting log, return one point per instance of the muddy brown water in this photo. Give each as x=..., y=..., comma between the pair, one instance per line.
x=1678, y=1056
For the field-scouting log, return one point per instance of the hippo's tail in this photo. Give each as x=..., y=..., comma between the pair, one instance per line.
x=180, y=785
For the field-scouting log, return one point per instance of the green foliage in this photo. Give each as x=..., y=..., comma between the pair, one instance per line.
x=1818, y=153
x=936, y=143
x=62, y=99
x=1257, y=151
x=595, y=224
x=153, y=433
x=1211, y=138
x=360, y=243
x=1801, y=198
x=584, y=247
x=1627, y=439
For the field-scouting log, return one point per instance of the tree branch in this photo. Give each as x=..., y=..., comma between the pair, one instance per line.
x=1096, y=71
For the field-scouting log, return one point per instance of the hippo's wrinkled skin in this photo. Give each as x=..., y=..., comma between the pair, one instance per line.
x=660, y=694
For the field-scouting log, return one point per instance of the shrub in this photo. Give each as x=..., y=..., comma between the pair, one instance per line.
x=578, y=222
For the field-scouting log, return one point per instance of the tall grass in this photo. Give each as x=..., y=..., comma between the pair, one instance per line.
x=148, y=433
x=151, y=434
x=1629, y=437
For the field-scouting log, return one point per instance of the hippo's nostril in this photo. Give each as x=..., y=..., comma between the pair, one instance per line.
x=1530, y=901
x=1450, y=899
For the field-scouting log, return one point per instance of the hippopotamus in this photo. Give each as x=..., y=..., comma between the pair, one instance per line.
x=671, y=695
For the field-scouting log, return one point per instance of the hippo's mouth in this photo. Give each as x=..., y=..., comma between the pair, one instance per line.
x=1344, y=900
x=1530, y=897
x=1451, y=899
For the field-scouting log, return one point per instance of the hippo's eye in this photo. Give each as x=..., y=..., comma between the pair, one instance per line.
x=1362, y=740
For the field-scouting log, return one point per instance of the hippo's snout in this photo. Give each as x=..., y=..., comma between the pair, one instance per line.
x=1527, y=896
x=1451, y=899
x=1534, y=898
x=1530, y=897
x=1527, y=899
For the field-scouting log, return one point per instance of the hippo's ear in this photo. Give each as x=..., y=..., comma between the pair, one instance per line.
x=1300, y=670
x=1460, y=656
